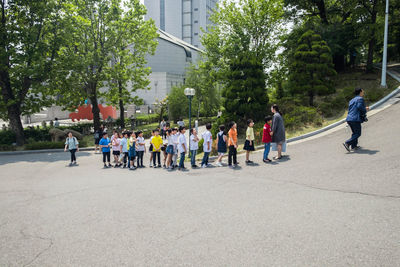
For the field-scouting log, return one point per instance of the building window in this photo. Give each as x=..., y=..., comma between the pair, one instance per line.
x=196, y=21
x=196, y=9
x=196, y=33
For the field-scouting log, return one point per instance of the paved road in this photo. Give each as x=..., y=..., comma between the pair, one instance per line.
x=320, y=207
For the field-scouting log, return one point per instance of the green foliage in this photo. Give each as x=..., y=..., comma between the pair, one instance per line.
x=245, y=96
x=7, y=137
x=296, y=115
x=44, y=145
x=106, y=46
x=178, y=103
x=311, y=67
x=200, y=150
x=31, y=33
x=244, y=35
x=207, y=100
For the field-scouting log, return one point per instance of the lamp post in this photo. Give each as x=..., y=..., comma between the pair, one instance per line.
x=384, y=59
x=190, y=92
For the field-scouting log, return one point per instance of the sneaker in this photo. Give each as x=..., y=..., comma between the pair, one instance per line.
x=267, y=160
x=159, y=166
x=124, y=166
x=356, y=148
x=218, y=164
x=183, y=169
x=231, y=167
x=105, y=166
x=164, y=166
x=346, y=146
x=70, y=164
x=109, y=165
x=203, y=166
x=249, y=162
x=75, y=163
x=132, y=168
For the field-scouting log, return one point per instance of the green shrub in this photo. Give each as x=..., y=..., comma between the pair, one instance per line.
x=7, y=137
x=301, y=116
x=7, y=147
x=201, y=142
x=44, y=145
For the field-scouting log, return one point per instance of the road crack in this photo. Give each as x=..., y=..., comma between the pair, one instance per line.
x=49, y=240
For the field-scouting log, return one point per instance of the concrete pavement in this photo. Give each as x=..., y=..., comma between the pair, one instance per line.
x=321, y=206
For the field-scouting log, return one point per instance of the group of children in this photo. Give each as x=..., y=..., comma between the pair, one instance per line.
x=128, y=149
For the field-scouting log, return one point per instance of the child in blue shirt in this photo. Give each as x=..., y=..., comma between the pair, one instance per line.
x=105, y=144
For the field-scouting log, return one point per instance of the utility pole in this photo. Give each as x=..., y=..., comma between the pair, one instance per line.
x=384, y=59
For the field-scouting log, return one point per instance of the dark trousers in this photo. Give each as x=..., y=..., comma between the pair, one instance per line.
x=156, y=155
x=139, y=158
x=356, y=130
x=73, y=157
x=106, y=155
x=232, y=155
x=205, y=158
x=126, y=157
x=193, y=157
x=182, y=160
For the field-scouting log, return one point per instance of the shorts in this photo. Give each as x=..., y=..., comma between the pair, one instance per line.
x=116, y=153
x=249, y=147
x=96, y=141
x=163, y=148
x=221, y=153
x=170, y=149
x=151, y=148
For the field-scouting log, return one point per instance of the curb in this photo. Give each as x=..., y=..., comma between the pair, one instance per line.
x=58, y=150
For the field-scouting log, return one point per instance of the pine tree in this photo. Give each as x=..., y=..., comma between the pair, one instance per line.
x=311, y=67
x=245, y=96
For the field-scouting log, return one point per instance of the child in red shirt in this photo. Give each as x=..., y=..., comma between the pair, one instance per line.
x=267, y=138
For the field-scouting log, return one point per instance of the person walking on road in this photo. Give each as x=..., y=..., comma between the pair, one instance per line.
x=72, y=144
x=356, y=116
x=278, y=130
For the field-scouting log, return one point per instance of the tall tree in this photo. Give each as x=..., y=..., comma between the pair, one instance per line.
x=248, y=29
x=245, y=96
x=31, y=32
x=311, y=68
x=97, y=56
x=136, y=39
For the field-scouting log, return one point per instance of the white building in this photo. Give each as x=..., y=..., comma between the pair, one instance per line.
x=181, y=18
x=169, y=65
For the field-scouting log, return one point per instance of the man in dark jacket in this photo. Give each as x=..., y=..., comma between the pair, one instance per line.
x=355, y=117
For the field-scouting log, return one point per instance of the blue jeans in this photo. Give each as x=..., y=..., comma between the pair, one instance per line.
x=267, y=147
x=205, y=158
x=182, y=160
x=193, y=157
x=356, y=129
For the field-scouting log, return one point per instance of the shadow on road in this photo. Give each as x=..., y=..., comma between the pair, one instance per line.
x=365, y=151
x=41, y=157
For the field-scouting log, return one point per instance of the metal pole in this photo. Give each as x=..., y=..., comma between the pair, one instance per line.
x=190, y=120
x=384, y=59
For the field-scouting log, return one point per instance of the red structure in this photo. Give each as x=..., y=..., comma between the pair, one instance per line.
x=85, y=112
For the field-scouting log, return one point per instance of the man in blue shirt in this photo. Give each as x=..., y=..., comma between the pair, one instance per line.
x=355, y=117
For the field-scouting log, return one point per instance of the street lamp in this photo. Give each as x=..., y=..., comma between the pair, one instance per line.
x=384, y=59
x=190, y=92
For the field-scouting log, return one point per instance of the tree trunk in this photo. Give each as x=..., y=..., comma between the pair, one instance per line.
x=96, y=112
x=322, y=11
x=122, y=113
x=14, y=115
x=311, y=99
x=121, y=106
x=370, y=59
x=372, y=41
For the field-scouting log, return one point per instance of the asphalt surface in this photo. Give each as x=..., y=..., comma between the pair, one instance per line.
x=321, y=206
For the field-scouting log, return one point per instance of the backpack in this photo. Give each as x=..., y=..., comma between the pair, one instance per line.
x=96, y=135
